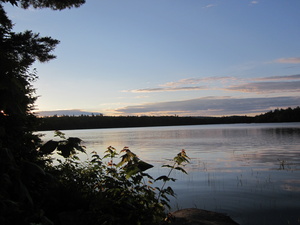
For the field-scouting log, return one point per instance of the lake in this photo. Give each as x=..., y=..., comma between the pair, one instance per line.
x=249, y=171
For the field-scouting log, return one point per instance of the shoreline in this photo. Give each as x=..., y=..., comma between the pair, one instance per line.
x=194, y=216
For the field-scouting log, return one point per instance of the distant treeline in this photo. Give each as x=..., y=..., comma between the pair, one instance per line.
x=100, y=121
x=279, y=115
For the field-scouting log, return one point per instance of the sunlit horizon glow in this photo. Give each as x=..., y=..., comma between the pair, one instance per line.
x=195, y=58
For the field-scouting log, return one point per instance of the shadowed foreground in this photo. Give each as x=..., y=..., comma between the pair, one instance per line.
x=200, y=217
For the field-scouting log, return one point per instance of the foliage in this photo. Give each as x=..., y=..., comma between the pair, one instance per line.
x=100, y=191
x=52, y=4
x=65, y=147
x=179, y=160
x=33, y=190
x=22, y=175
x=280, y=115
x=18, y=52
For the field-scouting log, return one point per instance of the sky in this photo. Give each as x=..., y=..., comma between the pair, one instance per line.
x=168, y=57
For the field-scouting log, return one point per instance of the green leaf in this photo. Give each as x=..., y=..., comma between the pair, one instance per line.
x=74, y=140
x=167, y=166
x=60, y=134
x=80, y=148
x=164, y=178
x=143, y=166
x=170, y=191
x=65, y=150
x=110, y=150
x=106, y=156
x=95, y=156
x=48, y=147
x=180, y=169
x=125, y=159
x=181, y=157
x=131, y=171
x=75, y=143
x=147, y=175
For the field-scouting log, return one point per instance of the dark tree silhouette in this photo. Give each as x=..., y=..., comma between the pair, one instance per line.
x=20, y=166
x=52, y=4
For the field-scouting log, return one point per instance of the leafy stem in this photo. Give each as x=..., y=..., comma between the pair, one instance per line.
x=178, y=163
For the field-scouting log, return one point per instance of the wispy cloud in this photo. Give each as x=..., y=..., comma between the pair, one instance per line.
x=194, y=88
x=189, y=81
x=254, y=2
x=209, y=6
x=267, y=87
x=288, y=77
x=182, y=82
x=214, y=106
x=183, y=85
x=292, y=60
x=272, y=84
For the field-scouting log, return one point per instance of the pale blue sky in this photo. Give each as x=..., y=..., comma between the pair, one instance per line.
x=166, y=57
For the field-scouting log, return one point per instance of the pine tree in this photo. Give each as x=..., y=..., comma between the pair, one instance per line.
x=20, y=167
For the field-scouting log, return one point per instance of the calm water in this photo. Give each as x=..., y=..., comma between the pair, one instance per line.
x=249, y=171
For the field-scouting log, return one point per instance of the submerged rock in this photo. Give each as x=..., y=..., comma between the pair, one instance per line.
x=195, y=216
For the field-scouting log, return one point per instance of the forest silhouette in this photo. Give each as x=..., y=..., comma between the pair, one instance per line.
x=66, y=122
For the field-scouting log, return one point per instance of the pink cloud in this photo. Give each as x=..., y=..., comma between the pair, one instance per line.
x=193, y=88
x=293, y=60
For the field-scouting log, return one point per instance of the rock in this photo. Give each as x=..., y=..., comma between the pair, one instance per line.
x=195, y=216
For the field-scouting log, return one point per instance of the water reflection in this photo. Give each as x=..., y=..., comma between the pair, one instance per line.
x=249, y=171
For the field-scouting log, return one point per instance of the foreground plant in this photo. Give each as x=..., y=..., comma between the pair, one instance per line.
x=102, y=191
x=179, y=162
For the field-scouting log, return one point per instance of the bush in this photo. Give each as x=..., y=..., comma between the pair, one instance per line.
x=102, y=191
